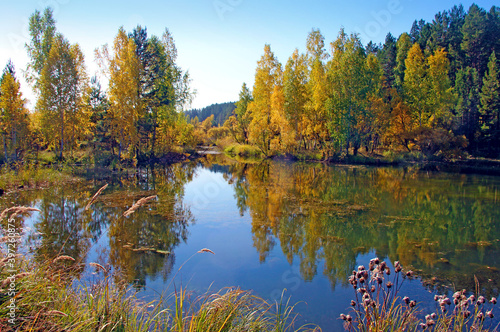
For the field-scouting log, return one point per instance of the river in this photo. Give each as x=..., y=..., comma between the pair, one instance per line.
x=276, y=225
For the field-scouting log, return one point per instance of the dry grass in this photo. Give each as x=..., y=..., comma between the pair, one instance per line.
x=138, y=204
x=94, y=198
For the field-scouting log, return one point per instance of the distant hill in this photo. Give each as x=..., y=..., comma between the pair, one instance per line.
x=220, y=111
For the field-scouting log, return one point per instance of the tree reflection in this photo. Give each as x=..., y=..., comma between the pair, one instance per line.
x=445, y=226
x=140, y=245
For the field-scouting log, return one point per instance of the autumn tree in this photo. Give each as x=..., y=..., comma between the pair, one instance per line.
x=62, y=86
x=416, y=85
x=441, y=96
x=123, y=68
x=295, y=92
x=14, y=124
x=283, y=133
x=267, y=75
x=352, y=78
x=314, y=122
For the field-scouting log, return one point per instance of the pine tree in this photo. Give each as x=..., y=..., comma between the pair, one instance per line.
x=243, y=116
x=490, y=102
x=468, y=103
x=387, y=58
x=474, y=41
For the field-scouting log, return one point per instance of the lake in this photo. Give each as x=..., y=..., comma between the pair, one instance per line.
x=276, y=225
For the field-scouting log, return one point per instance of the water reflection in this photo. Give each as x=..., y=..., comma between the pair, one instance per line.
x=444, y=226
x=139, y=245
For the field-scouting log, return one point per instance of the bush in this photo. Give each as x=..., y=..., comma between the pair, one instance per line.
x=242, y=150
x=439, y=142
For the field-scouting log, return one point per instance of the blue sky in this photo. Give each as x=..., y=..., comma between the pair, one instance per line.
x=218, y=41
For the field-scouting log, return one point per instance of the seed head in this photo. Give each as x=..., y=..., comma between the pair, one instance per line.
x=406, y=300
x=493, y=300
x=489, y=314
x=382, y=265
x=353, y=303
x=389, y=284
x=412, y=303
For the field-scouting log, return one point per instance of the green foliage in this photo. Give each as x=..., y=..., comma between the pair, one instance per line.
x=221, y=112
x=489, y=113
x=242, y=150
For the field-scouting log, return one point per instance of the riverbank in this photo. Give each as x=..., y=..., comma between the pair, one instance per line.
x=470, y=165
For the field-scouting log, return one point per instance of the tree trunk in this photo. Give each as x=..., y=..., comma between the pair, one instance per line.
x=62, y=136
x=153, y=141
x=6, y=152
x=14, y=144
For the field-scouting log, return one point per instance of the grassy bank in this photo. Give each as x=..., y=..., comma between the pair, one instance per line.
x=45, y=297
x=30, y=176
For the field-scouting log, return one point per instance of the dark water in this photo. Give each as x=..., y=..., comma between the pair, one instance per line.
x=277, y=225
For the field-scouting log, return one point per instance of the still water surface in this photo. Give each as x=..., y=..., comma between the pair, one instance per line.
x=277, y=225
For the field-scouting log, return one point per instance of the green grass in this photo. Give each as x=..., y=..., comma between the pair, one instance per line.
x=242, y=150
x=30, y=176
